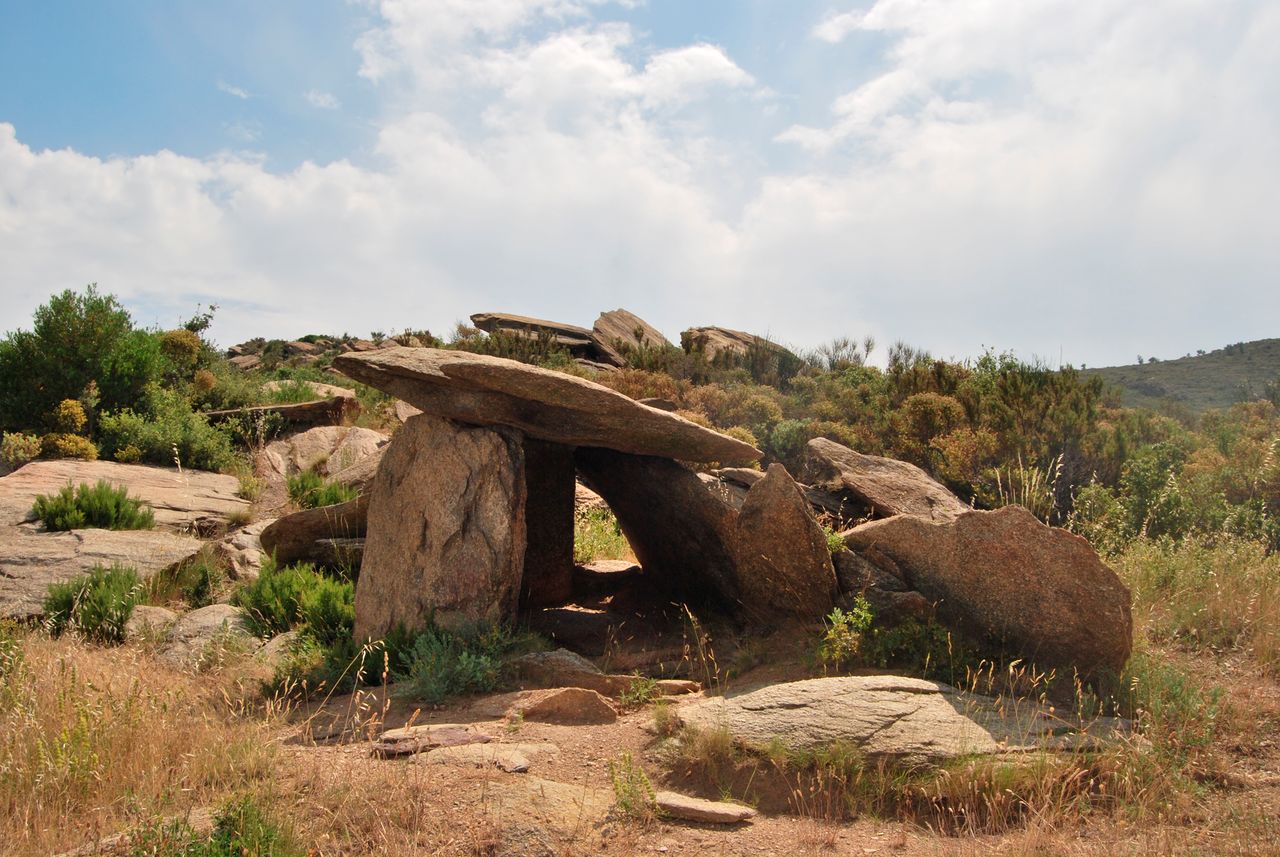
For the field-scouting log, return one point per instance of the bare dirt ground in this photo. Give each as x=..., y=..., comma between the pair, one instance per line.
x=345, y=800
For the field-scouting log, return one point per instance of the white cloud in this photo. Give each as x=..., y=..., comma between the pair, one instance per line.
x=835, y=27
x=236, y=91
x=1019, y=175
x=322, y=100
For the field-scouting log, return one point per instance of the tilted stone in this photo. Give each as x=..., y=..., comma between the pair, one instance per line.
x=615, y=332
x=547, y=405
x=884, y=485
x=714, y=341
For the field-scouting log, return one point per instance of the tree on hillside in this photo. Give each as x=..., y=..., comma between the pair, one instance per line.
x=76, y=338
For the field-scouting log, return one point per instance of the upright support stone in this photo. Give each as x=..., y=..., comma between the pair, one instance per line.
x=678, y=529
x=446, y=529
x=548, y=556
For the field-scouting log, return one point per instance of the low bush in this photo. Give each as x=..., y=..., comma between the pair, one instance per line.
x=597, y=535
x=298, y=596
x=164, y=428
x=101, y=505
x=310, y=490
x=64, y=445
x=16, y=448
x=440, y=663
x=845, y=630
x=97, y=606
x=195, y=582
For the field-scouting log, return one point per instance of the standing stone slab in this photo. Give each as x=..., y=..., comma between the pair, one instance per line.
x=446, y=530
x=784, y=564
x=548, y=556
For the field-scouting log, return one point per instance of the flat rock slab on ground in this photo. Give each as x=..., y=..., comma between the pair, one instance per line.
x=182, y=499
x=31, y=560
x=685, y=808
x=551, y=406
x=511, y=758
x=889, y=718
x=411, y=740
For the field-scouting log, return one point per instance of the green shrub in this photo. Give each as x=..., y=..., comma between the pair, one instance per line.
x=62, y=445
x=292, y=392
x=633, y=794
x=298, y=596
x=76, y=338
x=165, y=423
x=96, y=606
x=16, y=449
x=310, y=490
x=241, y=828
x=845, y=630
x=327, y=610
x=100, y=505
x=441, y=664
x=182, y=348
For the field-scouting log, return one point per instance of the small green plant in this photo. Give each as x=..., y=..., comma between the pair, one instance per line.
x=196, y=581
x=100, y=505
x=242, y=828
x=97, y=606
x=641, y=692
x=298, y=596
x=835, y=542
x=633, y=795
x=441, y=664
x=310, y=490
x=845, y=630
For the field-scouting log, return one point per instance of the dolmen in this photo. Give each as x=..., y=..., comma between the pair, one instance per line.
x=471, y=510
x=470, y=519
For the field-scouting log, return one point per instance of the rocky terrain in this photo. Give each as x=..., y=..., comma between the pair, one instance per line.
x=676, y=707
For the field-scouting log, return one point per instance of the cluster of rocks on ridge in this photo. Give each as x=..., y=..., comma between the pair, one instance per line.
x=610, y=343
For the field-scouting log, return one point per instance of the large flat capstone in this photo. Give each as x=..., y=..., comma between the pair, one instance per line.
x=547, y=405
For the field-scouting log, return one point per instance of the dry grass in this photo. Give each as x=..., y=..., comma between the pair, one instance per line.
x=94, y=740
x=1216, y=597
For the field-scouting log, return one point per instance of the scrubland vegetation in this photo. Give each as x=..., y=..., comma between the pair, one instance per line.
x=1185, y=508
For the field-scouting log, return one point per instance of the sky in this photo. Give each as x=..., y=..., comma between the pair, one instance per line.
x=1082, y=181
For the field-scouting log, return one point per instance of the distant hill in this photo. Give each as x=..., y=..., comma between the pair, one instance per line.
x=1217, y=379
